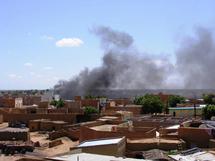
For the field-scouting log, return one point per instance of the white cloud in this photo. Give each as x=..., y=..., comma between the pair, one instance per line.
x=48, y=68
x=69, y=42
x=47, y=37
x=28, y=64
x=14, y=76
x=56, y=78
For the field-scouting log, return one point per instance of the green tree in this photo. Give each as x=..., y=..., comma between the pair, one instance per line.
x=53, y=102
x=150, y=103
x=209, y=99
x=209, y=111
x=60, y=103
x=90, y=110
x=139, y=100
x=175, y=99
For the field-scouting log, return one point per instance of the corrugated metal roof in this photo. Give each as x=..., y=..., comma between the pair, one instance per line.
x=184, y=108
x=100, y=142
x=92, y=157
x=200, y=156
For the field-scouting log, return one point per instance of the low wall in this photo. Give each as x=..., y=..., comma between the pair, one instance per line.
x=70, y=133
x=168, y=133
x=9, y=117
x=55, y=143
x=196, y=136
x=88, y=134
x=155, y=145
x=11, y=136
x=156, y=124
x=134, y=110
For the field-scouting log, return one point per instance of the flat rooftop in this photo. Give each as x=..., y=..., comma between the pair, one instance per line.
x=10, y=129
x=105, y=127
x=154, y=140
x=201, y=156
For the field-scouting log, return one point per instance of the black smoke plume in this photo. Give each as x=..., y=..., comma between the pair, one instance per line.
x=196, y=60
x=124, y=67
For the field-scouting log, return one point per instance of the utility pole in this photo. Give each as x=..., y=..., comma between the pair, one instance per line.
x=194, y=106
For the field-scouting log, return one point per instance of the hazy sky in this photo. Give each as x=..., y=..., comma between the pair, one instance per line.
x=42, y=41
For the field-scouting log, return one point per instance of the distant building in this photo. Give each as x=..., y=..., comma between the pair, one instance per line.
x=186, y=111
x=18, y=102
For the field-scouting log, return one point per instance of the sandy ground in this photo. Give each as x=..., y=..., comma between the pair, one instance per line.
x=45, y=151
x=106, y=127
x=9, y=158
x=60, y=149
x=3, y=125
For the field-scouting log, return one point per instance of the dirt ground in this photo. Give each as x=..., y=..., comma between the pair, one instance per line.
x=44, y=150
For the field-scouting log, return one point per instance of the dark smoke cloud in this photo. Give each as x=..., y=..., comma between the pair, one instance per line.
x=196, y=60
x=124, y=67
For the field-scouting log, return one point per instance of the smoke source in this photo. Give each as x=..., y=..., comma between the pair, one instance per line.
x=124, y=67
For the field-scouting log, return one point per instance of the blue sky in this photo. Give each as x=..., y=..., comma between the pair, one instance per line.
x=42, y=41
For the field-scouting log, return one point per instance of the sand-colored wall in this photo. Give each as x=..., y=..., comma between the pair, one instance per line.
x=88, y=134
x=10, y=117
x=197, y=136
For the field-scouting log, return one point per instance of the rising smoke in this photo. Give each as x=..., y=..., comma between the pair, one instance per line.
x=196, y=60
x=124, y=67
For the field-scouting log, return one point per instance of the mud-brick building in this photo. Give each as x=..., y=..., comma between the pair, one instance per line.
x=46, y=125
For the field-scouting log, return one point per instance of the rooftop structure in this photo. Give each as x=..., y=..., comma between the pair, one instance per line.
x=109, y=146
x=100, y=142
x=196, y=155
x=90, y=157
